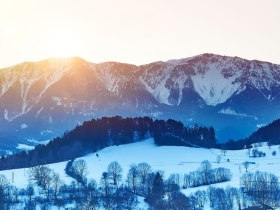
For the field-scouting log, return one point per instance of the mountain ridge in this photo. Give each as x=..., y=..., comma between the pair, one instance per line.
x=174, y=61
x=55, y=94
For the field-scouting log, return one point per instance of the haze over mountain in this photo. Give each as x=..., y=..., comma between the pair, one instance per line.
x=41, y=100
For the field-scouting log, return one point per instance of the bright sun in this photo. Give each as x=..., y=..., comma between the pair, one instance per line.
x=62, y=44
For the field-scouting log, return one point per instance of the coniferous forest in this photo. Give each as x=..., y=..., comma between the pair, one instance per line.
x=97, y=134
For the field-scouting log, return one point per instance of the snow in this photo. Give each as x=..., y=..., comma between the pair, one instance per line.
x=160, y=92
x=230, y=111
x=213, y=87
x=39, y=111
x=181, y=84
x=46, y=132
x=170, y=159
x=261, y=125
x=142, y=205
x=216, y=79
x=110, y=81
x=23, y=126
x=39, y=142
x=156, y=114
x=112, y=78
x=161, y=82
x=49, y=71
x=57, y=100
x=6, y=115
x=25, y=147
x=179, y=61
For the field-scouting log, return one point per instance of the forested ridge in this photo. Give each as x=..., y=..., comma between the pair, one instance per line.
x=97, y=134
x=268, y=133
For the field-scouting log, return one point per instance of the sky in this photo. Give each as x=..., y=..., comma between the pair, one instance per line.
x=138, y=31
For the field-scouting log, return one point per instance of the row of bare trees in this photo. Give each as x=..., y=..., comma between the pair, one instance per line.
x=114, y=191
x=140, y=181
x=261, y=188
x=206, y=175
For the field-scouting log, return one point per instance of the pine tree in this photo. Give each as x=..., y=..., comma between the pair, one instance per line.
x=157, y=190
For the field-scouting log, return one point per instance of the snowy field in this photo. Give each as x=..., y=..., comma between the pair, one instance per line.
x=170, y=159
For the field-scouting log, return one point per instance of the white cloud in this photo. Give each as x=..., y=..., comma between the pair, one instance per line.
x=230, y=111
x=23, y=126
x=260, y=125
x=25, y=147
x=46, y=132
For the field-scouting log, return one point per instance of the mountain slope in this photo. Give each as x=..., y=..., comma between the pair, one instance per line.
x=42, y=100
x=269, y=133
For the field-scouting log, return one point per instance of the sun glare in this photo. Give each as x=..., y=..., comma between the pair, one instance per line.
x=62, y=44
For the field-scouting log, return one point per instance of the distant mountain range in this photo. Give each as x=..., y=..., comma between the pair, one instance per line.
x=42, y=100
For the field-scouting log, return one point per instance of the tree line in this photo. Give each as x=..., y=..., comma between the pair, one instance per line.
x=115, y=191
x=97, y=134
x=206, y=175
x=269, y=133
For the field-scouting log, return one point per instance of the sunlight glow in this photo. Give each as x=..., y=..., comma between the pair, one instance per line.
x=62, y=44
x=138, y=32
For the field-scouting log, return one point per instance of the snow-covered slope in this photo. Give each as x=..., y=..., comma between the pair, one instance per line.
x=213, y=87
x=55, y=95
x=214, y=78
x=170, y=159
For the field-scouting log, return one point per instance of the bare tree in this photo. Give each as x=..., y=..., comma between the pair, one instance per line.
x=3, y=181
x=133, y=178
x=221, y=200
x=175, y=179
x=201, y=198
x=114, y=172
x=57, y=184
x=144, y=169
x=149, y=184
x=105, y=184
x=91, y=197
x=79, y=172
x=249, y=152
x=234, y=196
x=80, y=167
x=206, y=170
x=246, y=165
x=211, y=195
x=221, y=174
x=108, y=201
x=218, y=159
x=261, y=188
x=125, y=199
x=4, y=184
x=42, y=176
x=29, y=192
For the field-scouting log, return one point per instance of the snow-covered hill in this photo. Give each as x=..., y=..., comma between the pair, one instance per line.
x=41, y=100
x=170, y=159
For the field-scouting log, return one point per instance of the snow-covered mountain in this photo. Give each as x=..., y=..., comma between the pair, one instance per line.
x=43, y=99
